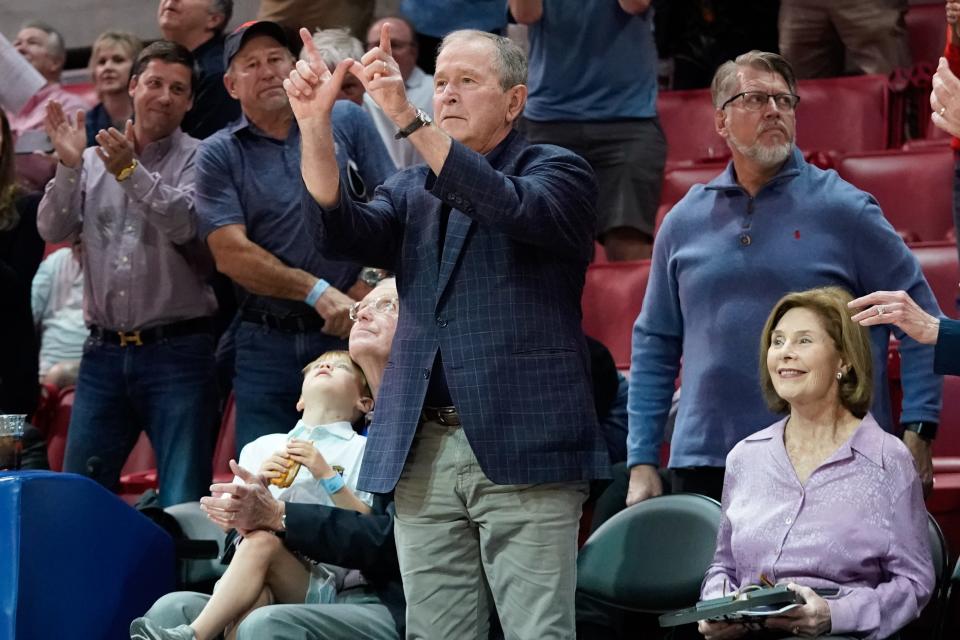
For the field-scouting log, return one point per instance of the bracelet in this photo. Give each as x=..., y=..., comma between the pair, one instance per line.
x=334, y=484
x=316, y=292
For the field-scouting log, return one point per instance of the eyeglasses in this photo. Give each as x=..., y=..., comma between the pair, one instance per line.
x=757, y=100
x=380, y=305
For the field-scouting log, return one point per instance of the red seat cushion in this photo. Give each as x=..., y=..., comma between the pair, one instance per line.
x=939, y=263
x=914, y=188
x=846, y=114
x=611, y=302
x=927, y=32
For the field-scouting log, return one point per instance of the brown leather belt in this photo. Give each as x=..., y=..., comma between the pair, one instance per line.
x=446, y=416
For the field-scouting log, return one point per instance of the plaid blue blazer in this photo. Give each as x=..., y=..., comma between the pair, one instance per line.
x=502, y=304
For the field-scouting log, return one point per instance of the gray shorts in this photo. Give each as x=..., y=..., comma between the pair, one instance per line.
x=628, y=158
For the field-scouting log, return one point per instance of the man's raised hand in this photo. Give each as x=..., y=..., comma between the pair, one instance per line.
x=68, y=136
x=311, y=88
x=380, y=75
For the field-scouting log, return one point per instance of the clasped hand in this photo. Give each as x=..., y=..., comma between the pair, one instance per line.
x=312, y=88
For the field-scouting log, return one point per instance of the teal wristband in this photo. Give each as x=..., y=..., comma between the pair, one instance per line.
x=334, y=484
x=316, y=292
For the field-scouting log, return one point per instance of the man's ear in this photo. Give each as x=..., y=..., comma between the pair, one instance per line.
x=300, y=404
x=214, y=20
x=132, y=85
x=364, y=404
x=230, y=83
x=720, y=122
x=517, y=100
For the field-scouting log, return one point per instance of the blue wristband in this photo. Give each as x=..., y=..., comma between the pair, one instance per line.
x=334, y=484
x=316, y=292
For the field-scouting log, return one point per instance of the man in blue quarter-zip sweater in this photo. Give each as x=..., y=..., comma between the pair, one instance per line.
x=769, y=224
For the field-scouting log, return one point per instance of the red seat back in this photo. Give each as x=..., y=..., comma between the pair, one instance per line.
x=846, y=114
x=947, y=443
x=927, y=32
x=611, y=303
x=57, y=430
x=939, y=263
x=226, y=443
x=141, y=458
x=678, y=180
x=914, y=188
x=687, y=121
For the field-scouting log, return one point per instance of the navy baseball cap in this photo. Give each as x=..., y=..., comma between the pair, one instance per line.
x=235, y=41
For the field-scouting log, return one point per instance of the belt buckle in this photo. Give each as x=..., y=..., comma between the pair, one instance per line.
x=132, y=338
x=448, y=417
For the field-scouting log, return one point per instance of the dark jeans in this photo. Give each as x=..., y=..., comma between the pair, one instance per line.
x=269, y=376
x=165, y=388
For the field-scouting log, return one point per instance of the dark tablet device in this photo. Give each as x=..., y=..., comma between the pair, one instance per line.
x=759, y=602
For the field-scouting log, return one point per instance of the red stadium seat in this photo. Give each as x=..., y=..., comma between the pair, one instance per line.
x=86, y=90
x=939, y=263
x=57, y=430
x=139, y=472
x=848, y=114
x=611, y=302
x=687, y=121
x=914, y=188
x=678, y=180
x=927, y=30
x=226, y=443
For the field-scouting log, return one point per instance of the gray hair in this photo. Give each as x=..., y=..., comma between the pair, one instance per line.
x=725, y=82
x=55, y=45
x=336, y=45
x=223, y=8
x=510, y=60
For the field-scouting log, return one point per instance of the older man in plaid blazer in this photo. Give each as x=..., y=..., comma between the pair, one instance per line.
x=484, y=425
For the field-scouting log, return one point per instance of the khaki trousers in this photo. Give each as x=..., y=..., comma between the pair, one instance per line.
x=462, y=539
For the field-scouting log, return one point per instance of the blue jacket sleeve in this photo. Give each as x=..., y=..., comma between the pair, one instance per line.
x=369, y=233
x=947, y=351
x=369, y=152
x=883, y=262
x=550, y=202
x=345, y=538
x=655, y=359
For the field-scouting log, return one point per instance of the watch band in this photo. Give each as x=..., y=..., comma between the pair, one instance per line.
x=924, y=429
x=127, y=171
x=421, y=120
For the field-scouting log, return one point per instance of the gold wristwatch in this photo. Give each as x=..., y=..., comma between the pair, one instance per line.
x=127, y=171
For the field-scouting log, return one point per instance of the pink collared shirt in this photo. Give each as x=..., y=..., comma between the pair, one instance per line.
x=32, y=170
x=859, y=523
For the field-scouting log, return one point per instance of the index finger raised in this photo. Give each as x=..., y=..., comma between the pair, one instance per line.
x=310, y=46
x=385, y=39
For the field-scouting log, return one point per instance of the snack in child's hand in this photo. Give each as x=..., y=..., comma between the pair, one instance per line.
x=286, y=479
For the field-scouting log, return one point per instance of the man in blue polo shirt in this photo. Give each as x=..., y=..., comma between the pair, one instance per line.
x=249, y=204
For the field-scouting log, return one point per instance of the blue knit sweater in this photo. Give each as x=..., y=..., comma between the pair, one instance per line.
x=721, y=261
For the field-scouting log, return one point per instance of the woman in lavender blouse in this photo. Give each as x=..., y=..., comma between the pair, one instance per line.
x=823, y=498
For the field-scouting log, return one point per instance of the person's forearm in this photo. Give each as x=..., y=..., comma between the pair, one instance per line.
x=318, y=162
x=347, y=499
x=261, y=273
x=432, y=143
x=58, y=217
x=526, y=11
x=168, y=208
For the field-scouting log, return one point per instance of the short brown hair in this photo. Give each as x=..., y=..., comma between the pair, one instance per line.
x=851, y=340
x=169, y=52
x=343, y=356
x=725, y=84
